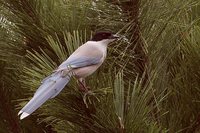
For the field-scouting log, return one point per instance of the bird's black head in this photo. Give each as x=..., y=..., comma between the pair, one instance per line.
x=99, y=36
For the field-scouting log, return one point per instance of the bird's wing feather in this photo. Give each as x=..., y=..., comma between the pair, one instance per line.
x=82, y=61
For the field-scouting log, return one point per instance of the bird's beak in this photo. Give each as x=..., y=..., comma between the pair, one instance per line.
x=114, y=36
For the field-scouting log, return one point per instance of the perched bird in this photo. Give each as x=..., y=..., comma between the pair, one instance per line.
x=83, y=62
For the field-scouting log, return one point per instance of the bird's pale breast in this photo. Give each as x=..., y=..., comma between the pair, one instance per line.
x=85, y=71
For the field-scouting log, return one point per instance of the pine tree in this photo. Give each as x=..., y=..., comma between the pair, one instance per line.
x=148, y=84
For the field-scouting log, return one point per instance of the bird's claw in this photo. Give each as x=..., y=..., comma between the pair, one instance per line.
x=83, y=88
x=85, y=97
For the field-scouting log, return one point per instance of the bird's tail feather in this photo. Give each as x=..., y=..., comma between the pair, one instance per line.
x=49, y=88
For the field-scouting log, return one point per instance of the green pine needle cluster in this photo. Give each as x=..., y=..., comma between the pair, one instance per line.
x=149, y=83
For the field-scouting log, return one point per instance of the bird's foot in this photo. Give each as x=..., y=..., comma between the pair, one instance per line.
x=82, y=87
x=85, y=90
x=88, y=93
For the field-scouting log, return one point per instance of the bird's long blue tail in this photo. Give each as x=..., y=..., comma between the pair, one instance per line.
x=50, y=87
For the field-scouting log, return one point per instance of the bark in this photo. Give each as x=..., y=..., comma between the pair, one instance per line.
x=132, y=9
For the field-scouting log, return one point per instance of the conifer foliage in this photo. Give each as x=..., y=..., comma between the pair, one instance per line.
x=149, y=83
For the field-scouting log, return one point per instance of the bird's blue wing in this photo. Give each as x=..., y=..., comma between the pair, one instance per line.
x=78, y=62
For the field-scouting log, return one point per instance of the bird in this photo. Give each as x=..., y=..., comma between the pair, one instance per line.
x=84, y=61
